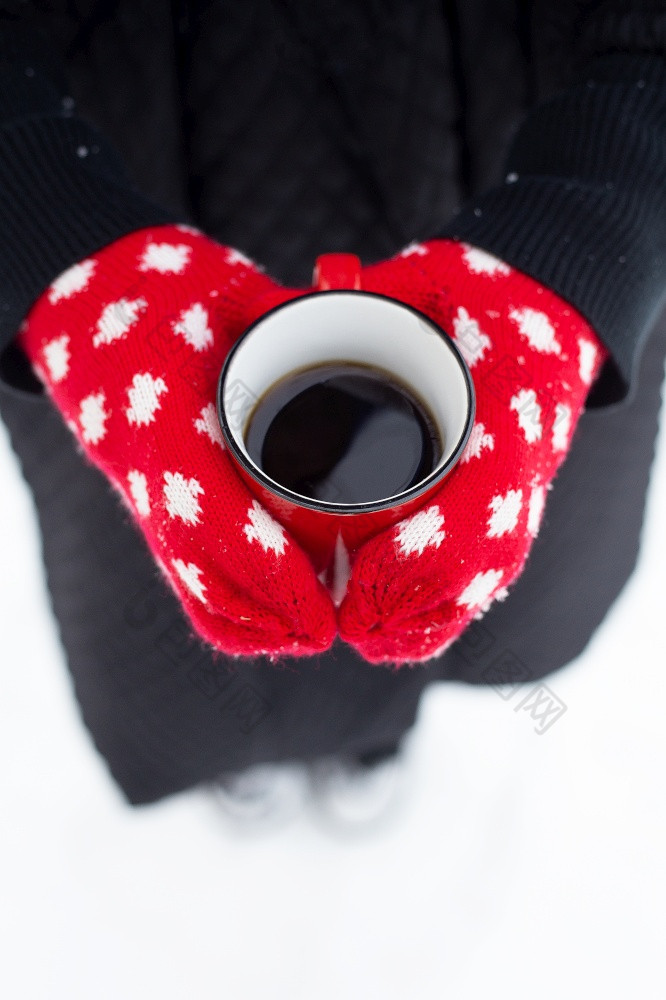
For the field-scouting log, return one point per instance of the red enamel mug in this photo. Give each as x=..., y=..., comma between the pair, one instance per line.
x=338, y=321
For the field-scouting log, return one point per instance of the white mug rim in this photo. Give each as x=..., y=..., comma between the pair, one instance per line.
x=397, y=500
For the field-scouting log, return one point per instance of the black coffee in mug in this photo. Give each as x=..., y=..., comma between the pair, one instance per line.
x=343, y=432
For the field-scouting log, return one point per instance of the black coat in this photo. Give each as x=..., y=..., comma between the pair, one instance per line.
x=536, y=130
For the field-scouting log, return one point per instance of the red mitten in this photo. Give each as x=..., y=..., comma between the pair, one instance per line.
x=129, y=343
x=414, y=587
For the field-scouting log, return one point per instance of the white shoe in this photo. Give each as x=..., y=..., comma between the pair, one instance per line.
x=351, y=796
x=265, y=795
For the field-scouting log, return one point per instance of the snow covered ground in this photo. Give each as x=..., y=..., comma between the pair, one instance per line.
x=520, y=865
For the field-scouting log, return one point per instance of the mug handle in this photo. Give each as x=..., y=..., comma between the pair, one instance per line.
x=337, y=270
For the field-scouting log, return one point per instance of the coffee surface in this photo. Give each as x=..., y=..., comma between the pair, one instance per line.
x=343, y=432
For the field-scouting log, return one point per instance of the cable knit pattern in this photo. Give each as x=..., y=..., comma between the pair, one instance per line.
x=129, y=343
x=415, y=587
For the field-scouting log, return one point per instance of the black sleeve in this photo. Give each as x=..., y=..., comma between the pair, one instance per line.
x=582, y=207
x=64, y=191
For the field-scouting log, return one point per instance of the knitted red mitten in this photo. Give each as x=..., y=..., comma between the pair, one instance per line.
x=414, y=587
x=129, y=343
